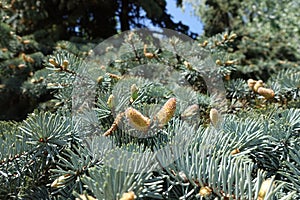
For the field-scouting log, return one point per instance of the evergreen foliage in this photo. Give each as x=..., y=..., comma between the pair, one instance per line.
x=73, y=147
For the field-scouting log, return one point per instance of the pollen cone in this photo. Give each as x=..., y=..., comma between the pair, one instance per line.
x=137, y=120
x=214, y=116
x=166, y=112
x=267, y=93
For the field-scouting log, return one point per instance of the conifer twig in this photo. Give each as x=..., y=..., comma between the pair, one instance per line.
x=115, y=124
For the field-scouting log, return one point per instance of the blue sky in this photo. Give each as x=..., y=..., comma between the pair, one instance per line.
x=185, y=17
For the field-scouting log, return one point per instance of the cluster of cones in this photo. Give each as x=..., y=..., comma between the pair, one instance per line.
x=258, y=87
x=142, y=123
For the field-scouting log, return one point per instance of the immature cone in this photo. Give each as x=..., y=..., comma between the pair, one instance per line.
x=229, y=62
x=27, y=58
x=134, y=89
x=251, y=83
x=214, y=116
x=65, y=64
x=145, y=48
x=53, y=62
x=137, y=120
x=235, y=151
x=267, y=93
x=134, y=92
x=147, y=54
x=26, y=41
x=227, y=77
x=110, y=101
x=187, y=65
x=233, y=36
x=33, y=80
x=166, y=112
x=21, y=66
x=204, y=44
x=218, y=62
x=266, y=184
x=100, y=79
x=257, y=85
x=128, y=196
x=113, y=76
x=225, y=36
x=205, y=191
x=41, y=79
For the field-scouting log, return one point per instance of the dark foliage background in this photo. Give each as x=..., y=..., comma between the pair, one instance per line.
x=33, y=28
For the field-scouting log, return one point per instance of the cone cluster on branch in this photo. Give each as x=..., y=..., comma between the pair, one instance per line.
x=138, y=121
x=258, y=87
x=142, y=123
x=27, y=58
x=64, y=65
